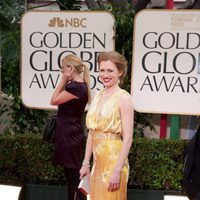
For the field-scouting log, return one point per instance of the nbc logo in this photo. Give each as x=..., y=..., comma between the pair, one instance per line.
x=56, y=21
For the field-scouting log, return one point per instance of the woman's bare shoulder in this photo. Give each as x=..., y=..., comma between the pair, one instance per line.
x=125, y=99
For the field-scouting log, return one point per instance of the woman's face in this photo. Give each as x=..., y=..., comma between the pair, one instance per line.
x=109, y=73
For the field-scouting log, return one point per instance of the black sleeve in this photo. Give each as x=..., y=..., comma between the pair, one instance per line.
x=73, y=88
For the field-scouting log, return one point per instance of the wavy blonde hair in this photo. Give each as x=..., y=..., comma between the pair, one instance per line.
x=80, y=67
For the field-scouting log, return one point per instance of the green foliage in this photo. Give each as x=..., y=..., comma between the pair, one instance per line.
x=22, y=119
x=154, y=164
x=10, y=40
x=69, y=4
x=27, y=159
x=157, y=164
x=142, y=121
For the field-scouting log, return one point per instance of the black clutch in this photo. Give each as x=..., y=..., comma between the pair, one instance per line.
x=50, y=129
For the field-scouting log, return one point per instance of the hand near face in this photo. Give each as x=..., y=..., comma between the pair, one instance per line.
x=67, y=73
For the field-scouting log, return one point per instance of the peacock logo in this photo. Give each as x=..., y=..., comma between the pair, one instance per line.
x=56, y=22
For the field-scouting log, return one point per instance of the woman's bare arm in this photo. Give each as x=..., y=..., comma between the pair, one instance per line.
x=127, y=117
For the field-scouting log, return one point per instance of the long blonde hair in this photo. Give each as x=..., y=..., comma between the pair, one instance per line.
x=80, y=67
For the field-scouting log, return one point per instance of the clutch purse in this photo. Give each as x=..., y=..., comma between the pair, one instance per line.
x=50, y=129
x=84, y=185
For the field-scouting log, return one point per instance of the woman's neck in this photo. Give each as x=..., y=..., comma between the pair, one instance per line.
x=112, y=89
x=77, y=78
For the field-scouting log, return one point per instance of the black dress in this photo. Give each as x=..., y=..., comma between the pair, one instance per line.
x=69, y=136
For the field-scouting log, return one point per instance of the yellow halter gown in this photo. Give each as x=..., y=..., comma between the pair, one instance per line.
x=106, y=132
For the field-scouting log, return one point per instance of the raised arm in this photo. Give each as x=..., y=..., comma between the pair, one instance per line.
x=61, y=96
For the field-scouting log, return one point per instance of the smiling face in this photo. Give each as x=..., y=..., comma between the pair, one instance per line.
x=109, y=73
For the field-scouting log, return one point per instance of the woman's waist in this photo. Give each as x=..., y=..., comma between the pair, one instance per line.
x=105, y=135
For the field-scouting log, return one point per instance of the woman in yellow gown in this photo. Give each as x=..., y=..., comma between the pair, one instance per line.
x=110, y=123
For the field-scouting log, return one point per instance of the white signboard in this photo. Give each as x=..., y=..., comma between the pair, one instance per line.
x=175, y=197
x=166, y=62
x=46, y=37
x=9, y=192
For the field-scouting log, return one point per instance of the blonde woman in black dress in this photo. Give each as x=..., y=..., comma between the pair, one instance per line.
x=71, y=95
